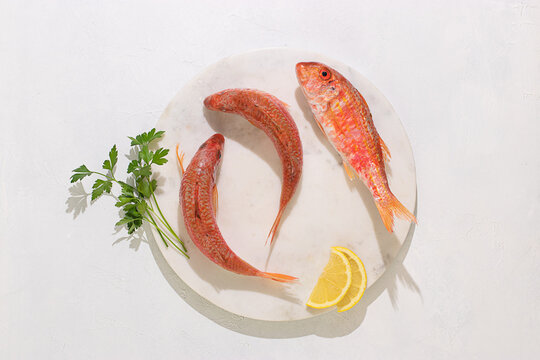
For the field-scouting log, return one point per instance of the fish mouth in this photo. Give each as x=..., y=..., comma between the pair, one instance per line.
x=301, y=71
x=304, y=76
x=215, y=141
x=306, y=73
x=218, y=139
x=208, y=102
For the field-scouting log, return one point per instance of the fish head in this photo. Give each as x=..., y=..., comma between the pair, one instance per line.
x=320, y=83
x=216, y=143
x=224, y=101
x=213, y=147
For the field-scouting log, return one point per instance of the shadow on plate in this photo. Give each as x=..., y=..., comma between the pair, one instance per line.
x=217, y=276
x=236, y=128
x=330, y=324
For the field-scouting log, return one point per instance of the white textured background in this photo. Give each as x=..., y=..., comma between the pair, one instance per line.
x=76, y=77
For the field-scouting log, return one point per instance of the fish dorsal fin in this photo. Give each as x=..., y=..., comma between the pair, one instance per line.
x=275, y=99
x=385, y=151
x=215, y=199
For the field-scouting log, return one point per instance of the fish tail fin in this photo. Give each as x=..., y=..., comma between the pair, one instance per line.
x=390, y=208
x=274, y=227
x=277, y=277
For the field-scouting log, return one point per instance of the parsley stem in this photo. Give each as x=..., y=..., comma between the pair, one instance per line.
x=151, y=220
x=168, y=227
x=166, y=223
x=110, y=178
x=105, y=176
x=160, y=235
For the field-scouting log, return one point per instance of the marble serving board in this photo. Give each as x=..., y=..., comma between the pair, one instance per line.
x=327, y=209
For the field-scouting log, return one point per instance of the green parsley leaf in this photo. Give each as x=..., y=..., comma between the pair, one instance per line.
x=144, y=171
x=106, y=165
x=141, y=207
x=144, y=188
x=80, y=173
x=126, y=188
x=99, y=187
x=146, y=138
x=123, y=200
x=131, y=209
x=134, y=141
x=113, y=158
x=132, y=166
x=153, y=185
x=153, y=135
x=159, y=156
x=113, y=155
x=145, y=154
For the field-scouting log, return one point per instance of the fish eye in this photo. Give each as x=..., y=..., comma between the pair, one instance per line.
x=325, y=74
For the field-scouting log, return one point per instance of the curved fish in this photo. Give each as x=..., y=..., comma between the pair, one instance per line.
x=344, y=117
x=269, y=114
x=198, y=198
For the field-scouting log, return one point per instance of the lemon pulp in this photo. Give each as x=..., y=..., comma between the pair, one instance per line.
x=333, y=283
x=358, y=281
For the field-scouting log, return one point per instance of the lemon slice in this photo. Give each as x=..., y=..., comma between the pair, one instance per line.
x=333, y=283
x=358, y=283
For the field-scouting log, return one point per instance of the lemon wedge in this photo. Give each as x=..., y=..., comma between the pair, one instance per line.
x=333, y=283
x=358, y=283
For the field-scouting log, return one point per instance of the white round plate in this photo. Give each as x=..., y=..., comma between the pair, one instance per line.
x=327, y=209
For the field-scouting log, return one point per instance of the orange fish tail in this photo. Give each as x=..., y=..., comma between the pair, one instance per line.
x=390, y=208
x=274, y=227
x=277, y=277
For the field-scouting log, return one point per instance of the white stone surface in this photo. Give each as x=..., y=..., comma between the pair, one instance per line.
x=76, y=77
x=327, y=209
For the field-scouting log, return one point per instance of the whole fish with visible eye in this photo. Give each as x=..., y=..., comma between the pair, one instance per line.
x=344, y=117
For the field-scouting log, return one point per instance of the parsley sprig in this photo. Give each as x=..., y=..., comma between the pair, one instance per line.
x=138, y=201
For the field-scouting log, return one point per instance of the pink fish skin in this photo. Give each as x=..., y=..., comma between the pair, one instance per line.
x=344, y=117
x=269, y=114
x=198, y=198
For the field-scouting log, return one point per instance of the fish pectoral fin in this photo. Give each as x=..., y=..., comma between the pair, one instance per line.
x=349, y=170
x=385, y=151
x=180, y=159
x=215, y=199
x=320, y=126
